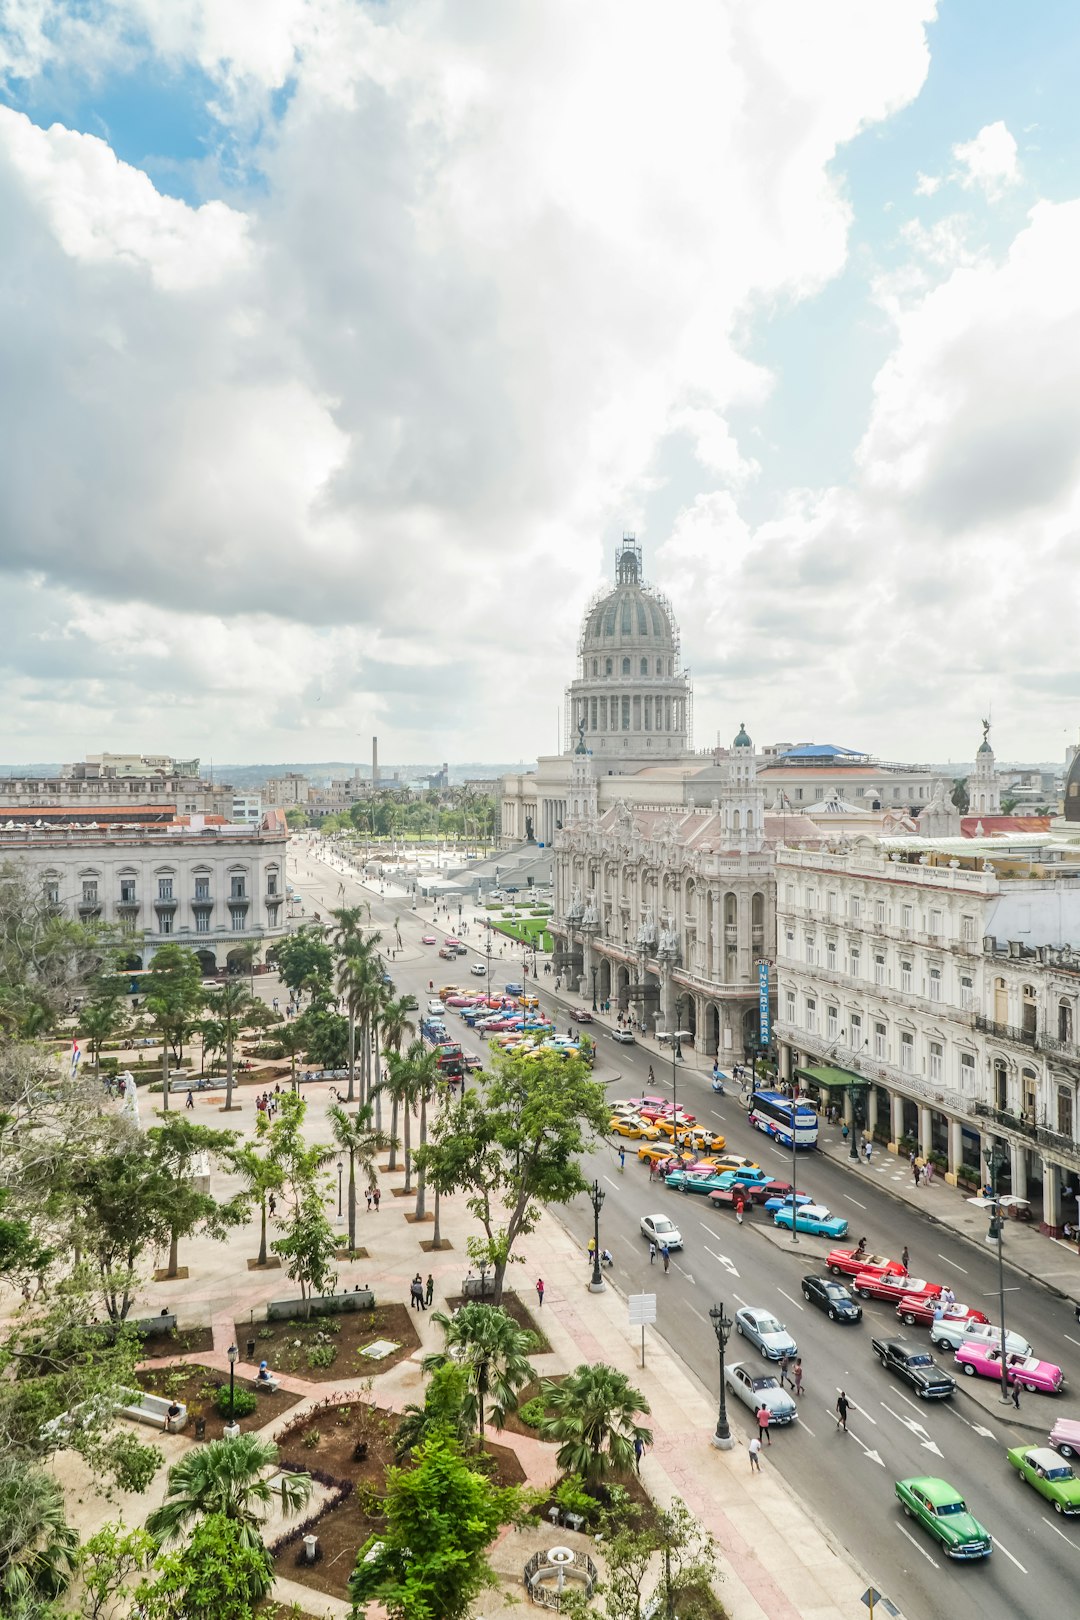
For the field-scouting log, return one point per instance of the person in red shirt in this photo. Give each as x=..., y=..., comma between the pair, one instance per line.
x=763, y=1416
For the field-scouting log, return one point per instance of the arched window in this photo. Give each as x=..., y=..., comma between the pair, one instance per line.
x=626, y=666
x=596, y=666
x=736, y=822
x=749, y=821
x=644, y=666
x=1065, y=1020
x=608, y=667
x=659, y=666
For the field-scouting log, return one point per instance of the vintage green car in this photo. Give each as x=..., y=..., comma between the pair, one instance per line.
x=941, y=1509
x=1050, y=1474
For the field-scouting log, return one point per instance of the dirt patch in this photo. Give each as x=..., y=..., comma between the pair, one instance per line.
x=327, y=1348
x=273, y=1264
x=325, y=1441
x=514, y=1308
x=528, y=1392
x=179, y=1275
x=189, y=1341
x=427, y=1244
x=197, y=1388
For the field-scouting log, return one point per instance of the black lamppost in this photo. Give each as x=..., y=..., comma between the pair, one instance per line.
x=594, y=1006
x=677, y=1036
x=995, y=1157
x=722, y=1325
x=596, y=1198
x=232, y=1353
x=340, y=1167
x=857, y=1088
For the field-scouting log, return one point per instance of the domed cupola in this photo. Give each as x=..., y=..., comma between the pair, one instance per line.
x=630, y=691
x=743, y=739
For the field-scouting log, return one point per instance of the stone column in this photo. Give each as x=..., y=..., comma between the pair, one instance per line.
x=956, y=1146
x=786, y=1064
x=896, y=1116
x=1051, y=1221
x=925, y=1130
x=871, y=1110
x=1019, y=1170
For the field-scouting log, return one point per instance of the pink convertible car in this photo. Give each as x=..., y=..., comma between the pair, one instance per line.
x=1027, y=1371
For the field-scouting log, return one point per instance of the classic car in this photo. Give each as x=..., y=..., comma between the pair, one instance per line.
x=746, y=1179
x=513, y=989
x=849, y=1262
x=784, y=1200
x=813, y=1218
x=660, y=1153
x=759, y=1325
x=628, y=1125
x=689, y=1180
x=478, y=969
x=624, y=1037
x=915, y=1366
x=428, y=939
x=832, y=1298
x=1027, y=1371
x=760, y=1389
x=893, y=1285
x=581, y=1015
x=659, y=1229
x=663, y=1113
x=951, y=1335
x=1052, y=1478
x=940, y=1508
x=919, y=1310
x=1065, y=1436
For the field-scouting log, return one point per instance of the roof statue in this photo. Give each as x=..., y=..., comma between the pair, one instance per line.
x=984, y=746
x=590, y=917
x=581, y=748
x=668, y=944
x=646, y=934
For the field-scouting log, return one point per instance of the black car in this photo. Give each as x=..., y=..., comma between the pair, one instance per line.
x=832, y=1298
x=915, y=1366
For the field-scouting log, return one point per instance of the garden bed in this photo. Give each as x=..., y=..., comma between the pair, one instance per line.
x=515, y=1307
x=343, y=1530
x=288, y=1344
x=528, y=1392
x=196, y=1387
x=190, y=1341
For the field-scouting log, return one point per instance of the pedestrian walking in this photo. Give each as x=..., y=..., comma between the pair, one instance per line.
x=622, y=1158
x=904, y=1258
x=429, y=1291
x=843, y=1407
x=763, y=1414
x=272, y=1204
x=915, y=1168
x=540, y=1290
x=796, y=1376
x=739, y=1207
x=785, y=1368
x=591, y=1249
x=368, y=1196
x=1016, y=1394
x=652, y=1253
x=666, y=1256
x=928, y=1173
x=754, y=1448
x=375, y=1197
x=639, y=1451
x=190, y=1099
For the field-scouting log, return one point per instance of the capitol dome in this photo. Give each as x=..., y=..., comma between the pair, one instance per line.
x=630, y=697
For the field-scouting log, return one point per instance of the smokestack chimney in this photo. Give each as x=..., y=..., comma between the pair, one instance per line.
x=374, y=762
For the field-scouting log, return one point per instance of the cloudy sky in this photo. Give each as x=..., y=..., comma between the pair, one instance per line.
x=341, y=341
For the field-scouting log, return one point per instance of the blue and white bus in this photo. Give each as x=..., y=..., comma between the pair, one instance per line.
x=771, y=1111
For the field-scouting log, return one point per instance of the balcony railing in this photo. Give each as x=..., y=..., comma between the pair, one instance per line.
x=1048, y=1042
x=1005, y=1032
x=1025, y=1125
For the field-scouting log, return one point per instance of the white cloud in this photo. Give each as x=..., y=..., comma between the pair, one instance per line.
x=989, y=162
x=409, y=385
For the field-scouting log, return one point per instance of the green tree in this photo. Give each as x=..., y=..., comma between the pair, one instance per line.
x=960, y=796
x=430, y=1562
x=176, y=1146
x=400, y=1086
x=174, y=1000
x=357, y=980
x=124, y=1211
x=444, y=1411
x=513, y=1144
x=325, y=1036
x=308, y=1247
x=296, y=818
x=303, y=958
x=687, y=1558
x=427, y=1085
x=107, y=1561
x=38, y=1548
x=99, y=1021
x=492, y=1351
x=354, y=1135
x=291, y=1040
x=45, y=959
x=229, y=1007
x=592, y=1416
x=228, y=1477
x=219, y=1575
x=262, y=1174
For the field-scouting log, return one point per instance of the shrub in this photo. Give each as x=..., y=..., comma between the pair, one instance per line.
x=533, y=1413
x=321, y=1355
x=311, y=1439
x=244, y=1402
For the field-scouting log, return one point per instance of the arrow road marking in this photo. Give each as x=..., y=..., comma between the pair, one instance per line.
x=610, y=1182
x=789, y=1299
x=916, y=1429
x=1008, y=1554
x=724, y=1261
x=917, y=1547
x=687, y=1274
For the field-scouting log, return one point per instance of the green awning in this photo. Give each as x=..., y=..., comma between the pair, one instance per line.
x=831, y=1079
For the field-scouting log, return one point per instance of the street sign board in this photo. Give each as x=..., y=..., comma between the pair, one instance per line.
x=642, y=1309
x=764, y=1026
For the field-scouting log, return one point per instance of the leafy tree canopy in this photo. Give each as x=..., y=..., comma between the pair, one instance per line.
x=303, y=958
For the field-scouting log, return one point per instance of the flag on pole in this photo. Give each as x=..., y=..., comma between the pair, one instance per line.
x=75, y=1055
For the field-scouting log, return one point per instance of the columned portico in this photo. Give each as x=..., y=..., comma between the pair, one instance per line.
x=926, y=1131
x=896, y=1117
x=1051, y=1221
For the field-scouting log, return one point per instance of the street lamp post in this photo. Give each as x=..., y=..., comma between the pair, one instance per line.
x=856, y=1102
x=340, y=1167
x=232, y=1353
x=596, y=1198
x=995, y=1158
x=677, y=1038
x=722, y=1325
x=594, y=1006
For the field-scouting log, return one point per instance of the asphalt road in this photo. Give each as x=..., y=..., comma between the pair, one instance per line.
x=845, y=1479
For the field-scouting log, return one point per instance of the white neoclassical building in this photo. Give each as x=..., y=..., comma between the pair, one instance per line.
x=934, y=983
x=211, y=888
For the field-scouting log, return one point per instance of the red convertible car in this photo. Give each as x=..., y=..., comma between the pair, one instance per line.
x=849, y=1263
x=917, y=1310
x=892, y=1285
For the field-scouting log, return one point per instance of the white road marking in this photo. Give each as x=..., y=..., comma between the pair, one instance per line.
x=860, y=1409
x=610, y=1182
x=854, y=1201
x=717, y=1114
x=779, y=1154
x=1008, y=1554
x=1072, y=1340
x=791, y=1301
x=916, y=1429
x=1060, y=1532
x=689, y=1275
x=979, y=1428
x=739, y=1301
x=917, y=1547
x=952, y=1263
x=808, y=1430
x=696, y=1312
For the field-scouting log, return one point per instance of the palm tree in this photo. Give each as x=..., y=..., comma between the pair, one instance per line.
x=395, y=1024
x=227, y=1477
x=98, y=1023
x=39, y=1549
x=229, y=1005
x=493, y=1352
x=354, y=1135
x=262, y=1174
x=356, y=979
x=400, y=1085
x=427, y=1083
x=372, y=1000
x=592, y=1414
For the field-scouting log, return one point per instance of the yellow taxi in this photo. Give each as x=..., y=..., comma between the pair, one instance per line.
x=450, y=990
x=638, y=1129
x=732, y=1161
x=656, y=1152
x=527, y=1001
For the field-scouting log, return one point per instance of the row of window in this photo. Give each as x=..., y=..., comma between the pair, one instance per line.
x=875, y=964
x=627, y=666
x=873, y=1035
x=633, y=713
x=932, y=921
x=237, y=920
x=90, y=896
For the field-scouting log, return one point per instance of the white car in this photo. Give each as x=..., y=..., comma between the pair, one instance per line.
x=627, y=1110
x=951, y=1335
x=759, y=1389
x=760, y=1326
x=660, y=1230
x=435, y=1009
x=625, y=1037
x=479, y=970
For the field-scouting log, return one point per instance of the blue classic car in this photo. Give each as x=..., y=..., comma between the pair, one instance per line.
x=813, y=1218
x=701, y=1182
x=775, y=1204
x=742, y=1178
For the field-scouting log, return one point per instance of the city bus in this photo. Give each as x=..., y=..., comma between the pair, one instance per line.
x=771, y=1111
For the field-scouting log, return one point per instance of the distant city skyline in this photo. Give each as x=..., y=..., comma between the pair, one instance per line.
x=343, y=342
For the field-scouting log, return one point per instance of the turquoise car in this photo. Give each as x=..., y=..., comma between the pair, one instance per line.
x=812, y=1218
x=699, y=1183
x=743, y=1178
